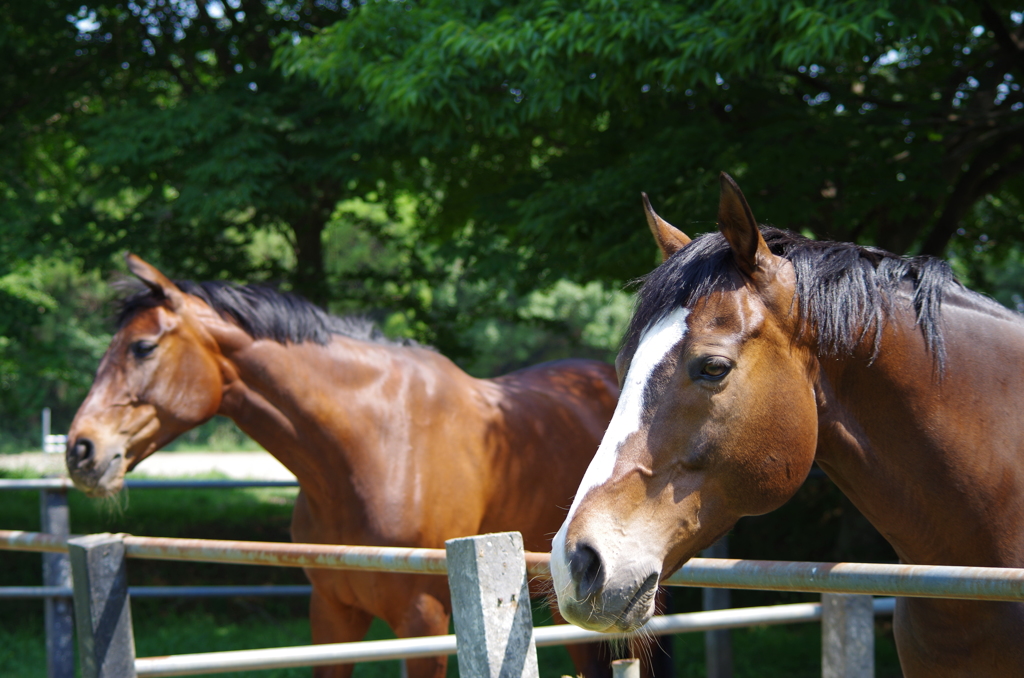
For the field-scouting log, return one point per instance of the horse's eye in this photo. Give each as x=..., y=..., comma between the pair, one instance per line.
x=142, y=348
x=715, y=367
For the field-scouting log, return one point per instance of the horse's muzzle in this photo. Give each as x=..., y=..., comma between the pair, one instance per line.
x=80, y=454
x=601, y=594
x=91, y=473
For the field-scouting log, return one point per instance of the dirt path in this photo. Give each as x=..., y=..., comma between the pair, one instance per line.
x=248, y=465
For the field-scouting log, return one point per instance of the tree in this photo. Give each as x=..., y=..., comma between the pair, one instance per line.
x=162, y=127
x=886, y=123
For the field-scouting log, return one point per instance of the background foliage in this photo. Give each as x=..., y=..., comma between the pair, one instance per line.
x=468, y=172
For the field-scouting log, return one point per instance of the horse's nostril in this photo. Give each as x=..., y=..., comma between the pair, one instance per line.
x=81, y=451
x=587, y=569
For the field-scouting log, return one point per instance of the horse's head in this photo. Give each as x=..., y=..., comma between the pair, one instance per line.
x=717, y=420
x=161, y=376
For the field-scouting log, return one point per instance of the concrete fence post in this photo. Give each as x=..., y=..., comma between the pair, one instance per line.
x=717, y=644
x=57, y=611
x=103, y=615
x=847, y=636
x=491, y=606
x=44, y=419
x=626, y=668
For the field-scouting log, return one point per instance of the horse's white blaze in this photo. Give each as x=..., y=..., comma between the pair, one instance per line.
x=654, y=345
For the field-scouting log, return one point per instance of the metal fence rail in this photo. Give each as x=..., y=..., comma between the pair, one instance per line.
x=412, y=648
x=283, y=554
x=925, y=581
x=165, y=591
x=322, y=556
x=918, y=581
x=66, y=484
x=906, y=580
x=290, y=657
x=836, y=581
x=38, y=542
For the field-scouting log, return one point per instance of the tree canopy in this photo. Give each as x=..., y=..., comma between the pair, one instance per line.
x=885, y=123
x=469, y=172
x=161, y=128
x=179, y=137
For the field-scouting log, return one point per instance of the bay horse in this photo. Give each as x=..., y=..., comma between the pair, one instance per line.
x=392, y=444
x=753, y=353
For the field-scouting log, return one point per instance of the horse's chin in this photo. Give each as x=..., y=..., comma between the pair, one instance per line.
x=104, y=484
x=613, y=611
x=101, y=492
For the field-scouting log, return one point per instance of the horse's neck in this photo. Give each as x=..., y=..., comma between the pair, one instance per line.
x=936, y=463
x=301, y=403
x=355, y=421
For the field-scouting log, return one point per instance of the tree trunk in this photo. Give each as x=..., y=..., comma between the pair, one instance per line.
x=309, y=279
x=985, y=173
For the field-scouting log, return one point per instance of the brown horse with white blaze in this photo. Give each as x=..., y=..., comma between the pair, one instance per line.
x=755, y=352
x=392, y=444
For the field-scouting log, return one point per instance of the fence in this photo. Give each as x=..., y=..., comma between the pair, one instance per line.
x=486, y=623
x=57, y=590
x=53, y=443
x=491, y=639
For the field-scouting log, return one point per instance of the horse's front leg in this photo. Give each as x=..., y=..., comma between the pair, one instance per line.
x=425, y=615
x=332, y=621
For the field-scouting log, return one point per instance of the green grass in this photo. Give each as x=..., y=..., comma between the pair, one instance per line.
x=196, y=631
x=762, y=652
x=792, y=651
x=171, y=626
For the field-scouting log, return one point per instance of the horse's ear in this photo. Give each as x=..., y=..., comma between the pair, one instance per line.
x=159, y=284
x=669, y=238
x=737, y=224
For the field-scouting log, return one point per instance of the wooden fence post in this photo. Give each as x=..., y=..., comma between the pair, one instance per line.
x=57, y=611
x=717, y=644
x=103, y=615
x=491, y=606
x=847, y=636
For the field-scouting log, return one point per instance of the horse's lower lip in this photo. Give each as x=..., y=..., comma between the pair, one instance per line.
x=93, y=488
x=642, y=595
x=98, y=485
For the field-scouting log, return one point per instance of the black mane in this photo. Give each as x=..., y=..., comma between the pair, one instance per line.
x=845, y=291
x=265, y=313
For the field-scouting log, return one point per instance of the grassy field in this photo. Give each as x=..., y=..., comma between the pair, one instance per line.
x=171, y=626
